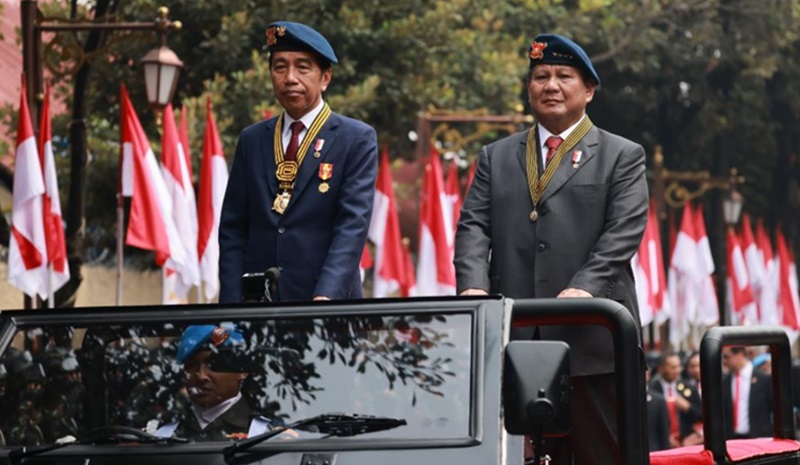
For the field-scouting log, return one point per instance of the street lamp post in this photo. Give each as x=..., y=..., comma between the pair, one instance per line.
x=166, y=66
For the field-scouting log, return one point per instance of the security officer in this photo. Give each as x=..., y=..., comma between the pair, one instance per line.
x=215, y=365
x=302, y=184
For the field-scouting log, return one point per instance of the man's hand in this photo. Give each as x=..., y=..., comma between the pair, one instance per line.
x=473, y=291
x=682, y=404
x=573, y=292
x=321, y=297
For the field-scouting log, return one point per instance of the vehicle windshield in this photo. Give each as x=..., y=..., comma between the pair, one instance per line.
x=62, y=380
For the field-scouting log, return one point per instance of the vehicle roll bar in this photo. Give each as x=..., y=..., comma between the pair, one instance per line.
x=628, y=359
x=711, y=378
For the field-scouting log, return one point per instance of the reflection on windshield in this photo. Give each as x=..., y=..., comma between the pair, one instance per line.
x=234, y=379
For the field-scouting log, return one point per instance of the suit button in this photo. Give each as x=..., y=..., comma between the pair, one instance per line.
x=281, y=230
x=541, y=247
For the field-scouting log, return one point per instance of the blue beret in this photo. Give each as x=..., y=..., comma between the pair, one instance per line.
x=553, y=49
x=196, y=337
x=288, y=36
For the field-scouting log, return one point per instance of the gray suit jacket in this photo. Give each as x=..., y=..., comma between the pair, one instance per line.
x=591, y=221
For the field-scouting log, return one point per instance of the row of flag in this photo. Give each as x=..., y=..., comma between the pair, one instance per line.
x=440, y=205
x=761, y=284
x=165, y=215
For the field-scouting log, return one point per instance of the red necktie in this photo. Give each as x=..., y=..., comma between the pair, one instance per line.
x=736, y=390
x=294, y=142
x=672, y=411
x=552, y=144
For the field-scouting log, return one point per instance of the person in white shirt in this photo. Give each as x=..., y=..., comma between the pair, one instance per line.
x=747, y=396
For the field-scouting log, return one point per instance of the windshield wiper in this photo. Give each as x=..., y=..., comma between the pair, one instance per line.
x=102, y=435
x=332, y=424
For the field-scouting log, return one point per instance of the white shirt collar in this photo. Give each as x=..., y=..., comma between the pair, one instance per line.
x=307, y=119
x=206, y=415
x=544, y=134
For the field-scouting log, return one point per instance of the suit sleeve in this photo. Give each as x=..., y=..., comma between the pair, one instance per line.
x=473, y=235
x=233, y=228
x=625, y=220
x=352, y=223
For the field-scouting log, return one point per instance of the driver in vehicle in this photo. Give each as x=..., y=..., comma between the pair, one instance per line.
x=215, y=364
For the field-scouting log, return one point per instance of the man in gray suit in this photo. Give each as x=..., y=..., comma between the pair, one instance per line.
x=558, y=211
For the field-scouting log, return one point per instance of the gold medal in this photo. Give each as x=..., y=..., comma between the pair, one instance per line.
x=534, y=216
x=324, y=187
x=286, y=171
x=687, y=392
x=317, y=154
x=281, y=202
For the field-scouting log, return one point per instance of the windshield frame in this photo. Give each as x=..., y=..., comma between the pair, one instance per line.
x=13, y=321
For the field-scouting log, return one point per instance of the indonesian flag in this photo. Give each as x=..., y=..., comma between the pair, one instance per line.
x=453, y=189
x=435, y=271
x=708, y=309
x=753, y=259
x=384, y=232
x=53, y=225
x=741, y=300
x=27, y=255
x=651, y=280
x=184, y=209
x=213, y=180
x=151, y=225
x=788, y=303
x=408, y=288
x=770, y=284
x=366, y=262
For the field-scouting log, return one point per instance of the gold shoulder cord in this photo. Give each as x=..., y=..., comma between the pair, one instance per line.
x=537, y=186
x=286, y=170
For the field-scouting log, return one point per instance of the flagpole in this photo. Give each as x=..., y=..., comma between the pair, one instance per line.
x=120, y=218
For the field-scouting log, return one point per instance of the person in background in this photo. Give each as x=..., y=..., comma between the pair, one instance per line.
x=683, y=402
x=657, y=419
x=746, y=395
x=302, y=184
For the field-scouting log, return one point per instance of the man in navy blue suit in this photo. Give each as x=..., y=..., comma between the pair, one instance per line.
x=301, y=188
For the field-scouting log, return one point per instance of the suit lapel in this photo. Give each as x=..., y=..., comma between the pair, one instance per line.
x=520, y=155
x=565, y=171
x=310, y=166
x=267, y=148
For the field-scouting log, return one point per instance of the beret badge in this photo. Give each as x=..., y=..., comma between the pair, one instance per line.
x=537, y=50
x=218, y=336
x=273, y=33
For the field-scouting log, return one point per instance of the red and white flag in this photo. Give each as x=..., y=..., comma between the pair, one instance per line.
x=707, y=311
x=453, y=189
x=213, y=181
x=651, y=280
x=740, y=296
x=384, y=232
x=183, y=134
x=788, y=303
x=27, y=254
x=151, y=225
x=184, y=209
x=435, y=271
x=752, y=255
x=53, y=224
x=770, y=284
x=408, y=288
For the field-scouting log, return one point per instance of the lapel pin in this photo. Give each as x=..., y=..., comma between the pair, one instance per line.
x=318, y=148
x=576, y=158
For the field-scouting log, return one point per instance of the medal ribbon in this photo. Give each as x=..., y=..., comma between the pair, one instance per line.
x=311, y=135
x=536, y=185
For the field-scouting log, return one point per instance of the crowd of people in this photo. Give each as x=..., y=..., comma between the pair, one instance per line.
x=674, y=397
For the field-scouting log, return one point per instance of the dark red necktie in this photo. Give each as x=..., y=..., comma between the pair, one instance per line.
x=291, y=151
x=552, y=144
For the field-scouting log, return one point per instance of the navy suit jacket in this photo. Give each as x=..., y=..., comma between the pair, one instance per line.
x=317, y=243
